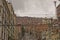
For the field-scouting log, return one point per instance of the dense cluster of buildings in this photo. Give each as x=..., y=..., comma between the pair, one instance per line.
x=27, y=28
x=32, y=28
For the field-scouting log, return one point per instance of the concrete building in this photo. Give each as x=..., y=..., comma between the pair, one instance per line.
x=12, y=19
x=58, y=13
x=7, y=21
x=14, y=29
x=3, y=19
x=58, y=16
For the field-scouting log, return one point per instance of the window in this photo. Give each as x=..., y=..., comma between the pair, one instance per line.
x=0, y=21
x=0, y=8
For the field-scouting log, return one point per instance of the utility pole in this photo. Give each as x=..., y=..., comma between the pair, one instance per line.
x=55, y=8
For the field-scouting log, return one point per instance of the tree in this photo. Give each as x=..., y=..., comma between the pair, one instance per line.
x=23, y=30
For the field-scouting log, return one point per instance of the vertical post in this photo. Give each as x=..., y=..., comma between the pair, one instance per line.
x=55, y=9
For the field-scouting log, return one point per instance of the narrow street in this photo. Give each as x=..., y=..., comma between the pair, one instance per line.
x=32, y=27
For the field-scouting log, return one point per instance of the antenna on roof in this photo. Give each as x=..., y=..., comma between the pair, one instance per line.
x=55, y=3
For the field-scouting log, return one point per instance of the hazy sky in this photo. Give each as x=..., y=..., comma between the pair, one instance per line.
x=34, y=8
